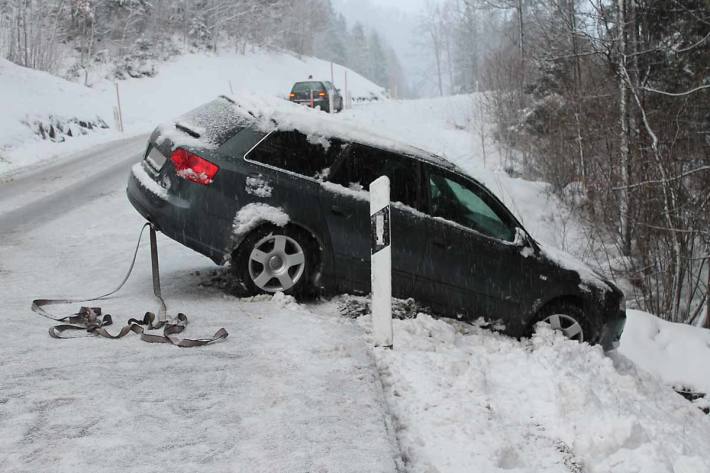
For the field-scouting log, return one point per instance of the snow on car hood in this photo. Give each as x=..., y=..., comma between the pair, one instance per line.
x=588, y=276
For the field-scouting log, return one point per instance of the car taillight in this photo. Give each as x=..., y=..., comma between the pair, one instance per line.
x=193, y=168
x=322, y=94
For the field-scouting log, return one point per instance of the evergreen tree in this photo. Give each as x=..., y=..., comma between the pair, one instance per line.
x=378, y=70
x=358, y=54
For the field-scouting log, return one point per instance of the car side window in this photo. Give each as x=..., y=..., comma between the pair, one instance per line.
x=293, y=151
x=467, y=204
x=361, y=165
x=238, y=145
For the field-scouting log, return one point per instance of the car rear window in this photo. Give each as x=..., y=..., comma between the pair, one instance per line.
x=300, y=87
x=214, y=122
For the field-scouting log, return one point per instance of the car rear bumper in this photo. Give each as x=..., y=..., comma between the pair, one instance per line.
x=169, y=213
x=322, y=103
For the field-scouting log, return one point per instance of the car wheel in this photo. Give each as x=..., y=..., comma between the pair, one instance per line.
x=569, y=319
x=274, y=259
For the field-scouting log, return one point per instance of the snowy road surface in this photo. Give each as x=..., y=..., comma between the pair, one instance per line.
x=295, y=388
x=43, y=193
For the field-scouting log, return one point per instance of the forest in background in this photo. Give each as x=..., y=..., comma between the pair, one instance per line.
x=70, y=37
x=609, y=101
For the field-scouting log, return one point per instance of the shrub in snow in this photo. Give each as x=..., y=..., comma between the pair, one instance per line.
x=56, y=128
x=139, y=62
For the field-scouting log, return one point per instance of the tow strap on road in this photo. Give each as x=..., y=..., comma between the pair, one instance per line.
x=91, y=321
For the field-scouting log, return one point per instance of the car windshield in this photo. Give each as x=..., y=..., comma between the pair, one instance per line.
x=301, y=87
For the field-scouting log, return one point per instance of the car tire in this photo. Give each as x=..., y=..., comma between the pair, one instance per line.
x=568, y=318
x=276, y=259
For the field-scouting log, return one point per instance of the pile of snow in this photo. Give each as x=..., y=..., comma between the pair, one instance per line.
x=180, y=85
x=466, y=399
x=676, y=353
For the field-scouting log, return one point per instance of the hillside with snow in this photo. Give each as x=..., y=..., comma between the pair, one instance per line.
x=31, y=98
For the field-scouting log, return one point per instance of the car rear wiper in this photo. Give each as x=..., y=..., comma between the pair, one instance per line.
x=187, y=130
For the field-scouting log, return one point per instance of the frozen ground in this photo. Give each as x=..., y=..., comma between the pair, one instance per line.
x=296, y=388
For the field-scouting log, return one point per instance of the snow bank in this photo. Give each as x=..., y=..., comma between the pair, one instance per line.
x=678, y=354
x=180, y=85
x=466, y=399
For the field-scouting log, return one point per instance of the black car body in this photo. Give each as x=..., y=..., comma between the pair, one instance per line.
x=235, y=180
x=317, y=94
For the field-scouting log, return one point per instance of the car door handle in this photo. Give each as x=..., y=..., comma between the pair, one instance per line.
x=338, y=210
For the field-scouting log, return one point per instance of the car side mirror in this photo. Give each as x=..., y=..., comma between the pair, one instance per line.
x=524, y=240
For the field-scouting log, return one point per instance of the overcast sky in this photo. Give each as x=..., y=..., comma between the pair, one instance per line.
x=410, y=6
x=398, y=22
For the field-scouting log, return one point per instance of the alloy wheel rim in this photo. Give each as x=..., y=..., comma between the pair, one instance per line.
x=276, y=263
x=569, y=326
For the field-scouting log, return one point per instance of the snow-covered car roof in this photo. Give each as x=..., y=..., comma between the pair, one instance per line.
x=271, y=114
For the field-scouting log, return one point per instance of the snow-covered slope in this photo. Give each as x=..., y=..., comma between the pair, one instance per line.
x=27, y=96
x=180, y=85
x=677, y=353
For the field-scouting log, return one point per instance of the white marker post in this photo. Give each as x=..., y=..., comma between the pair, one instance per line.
x=381, y=261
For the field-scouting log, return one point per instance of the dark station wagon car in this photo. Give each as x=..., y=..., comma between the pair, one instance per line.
x=281, y=193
